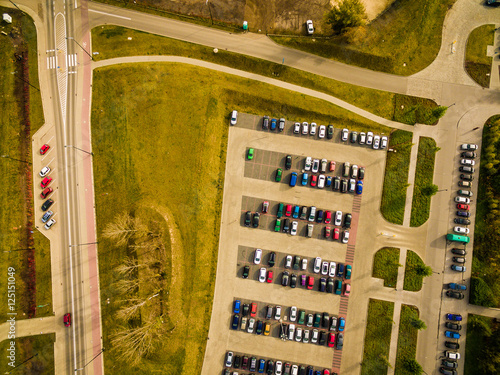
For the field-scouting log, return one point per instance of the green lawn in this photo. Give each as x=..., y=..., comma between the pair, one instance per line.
x=424, y=171
x=393, y=202
x=407, y=339
x=112, y=41
x=13, y=220
x=413, y=281
x=377, y=338
x=481, y=346
x=403, y=40
x=40, y=348
x=161, y=155
x=477, y=64
x=386, y=264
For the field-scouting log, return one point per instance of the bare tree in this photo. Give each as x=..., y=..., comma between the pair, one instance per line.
x=132, y=309
x=124, y=227
x=126, y=286
x=130, y=265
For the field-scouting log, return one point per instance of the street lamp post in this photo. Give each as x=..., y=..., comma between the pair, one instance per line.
x=90, y=153
x=22, y=161
x=84, y=50
x=9, y=251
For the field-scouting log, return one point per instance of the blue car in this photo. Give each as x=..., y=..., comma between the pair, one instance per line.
x=236, y=320
x=329, y=181
x=359, y=188
x=262, y=364
x=456, y=317
x=452, y=335
x=305, y=178
x=456, y=286
x=236, y=308
x=341, y=324
x=296, y=211
x=273, y=124
x=293, y=179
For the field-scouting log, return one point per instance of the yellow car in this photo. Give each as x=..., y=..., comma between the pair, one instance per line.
x=267, y=330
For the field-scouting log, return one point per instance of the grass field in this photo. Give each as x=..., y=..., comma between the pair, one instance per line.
x=481, y=346
x=386, y=264
x=12, y=220
x=40, y=346
x=377, y=338
x=477, y=64
x=424, y=171
x=106, y=40
x=412, y=281
x=388, y=43
x=393, y=202
x=407, y=339
x=159, y=151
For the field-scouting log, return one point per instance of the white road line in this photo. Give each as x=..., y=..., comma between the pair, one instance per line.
x=109, y=14
x=48, y=62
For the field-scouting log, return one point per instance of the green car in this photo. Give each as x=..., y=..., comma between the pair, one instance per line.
x=280, y=210
x=277, y=227
x=348, y=270
x=302, y=317
x=279, y=173
x=338, y=287
x=250, y=154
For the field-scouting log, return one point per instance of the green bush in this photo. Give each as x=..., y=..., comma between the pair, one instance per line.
x=386, y=264
x=481, y=294
x=407, y=342
x=412, y=110
x=415, y=270
x=477, y=63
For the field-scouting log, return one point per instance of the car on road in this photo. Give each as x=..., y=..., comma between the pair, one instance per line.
x=250, y=153
x=456, y=286
x=45, y=182
x=469, y=147
x=453, y=294
x=310, y=27
x=49, y=224
x=46, y=192
x=295, y=225
x=44, y=149
x=47, y=204
x=454, y=326
x=67, y=320
x=452, y=335
x=44, y=172
x=322, y=131
x=456, y=268
x=455, y=317
x=296, y=128
x=461, y=230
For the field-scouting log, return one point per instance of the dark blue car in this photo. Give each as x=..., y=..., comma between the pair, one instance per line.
x=456, y=317
x=359, y=188
x=273, y=124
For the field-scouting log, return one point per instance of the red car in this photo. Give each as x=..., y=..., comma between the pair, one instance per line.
x=328, y=231
x=463, y=206
x=44, y=149
x=314, y=180
x=332, y=166
x=328, y=217
x=46, y=192
x=45, y=182
x=269, y=276
x=253, y=311
x=67, y=319
x=288, y=211
x=331, y=340
x=310, y=282
x=336, y=233
x=326, y=372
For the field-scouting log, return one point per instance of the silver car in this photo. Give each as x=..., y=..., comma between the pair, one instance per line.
x=315, y=166
x=317, y=265
x=376, y=142
x=369, y=138
x=49, y=224
x=344, y=135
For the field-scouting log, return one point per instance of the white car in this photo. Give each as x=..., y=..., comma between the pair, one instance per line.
x=352, y=185
x=295, y=370
x=383, y=142
x=310, y=229
x=362, y=138
x=306, y=336
x=234, y=117
x=324, y=268
x=258, y=256
x=262, y=275
x=313, y=128
x=333, y=267
x=295, y=225
x=310, y=27
x=376, y=142
x=321, y=181
x=49, y=224
x=44, y=172
x=354, y=171
x=279, y=368
x=461, y=230
x=345, y=237
x=338, y=218
x=291, y=331
x=463, y=162
x=452, y=355
x=277, y=314
x=251, y=325
x=293, y=313
x=469, y=147
x=296, y=128
x=317, y=265
x=229, y=359
x=322, y=131
x=304, y=264
x=298, y=334
x=369, y=138
x=345, y=135
x=315, y=166
x=305, y=128
x=308, y=164
x=333, y=323
x=314, y=337
x=288, y=261
x=462, y=200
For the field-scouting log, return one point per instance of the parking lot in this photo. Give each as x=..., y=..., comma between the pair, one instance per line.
x=248, y=184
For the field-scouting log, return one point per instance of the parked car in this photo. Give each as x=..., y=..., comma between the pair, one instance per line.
x=449, y=364
x=229, y=359
x=47, y=204
x=256, y=220
x=295, y=225
x=458, y=251
x=454, y=326
x=315, y=166
x=322, y=131
x=250, y=153
x=361, y=174
x=348, y=271
x=452, y=345
x=456, y=268
x=463, y=213
x=44, y=149
x=376, y=142
x=468, y=154
x=44, y=172
x=49, y=224
x=469, y=147
x=465, y=193
x=265, y=122
x=454, y=356
x=279, y=174
x=274, y=124
x=456, y=286
x=452, y=335
x=455, y=317
x=466, y=184
x=45, y=182
x=340, y=341
x=281, y=125
x=466, y=169
x=262, y=274
x=362, y=138
x=460, y=260
x=345, y=237
x=338, y=218
x=341, y=325
x=461, y=230
x=309, y=27
x=288, y=162
x=383, y=142
x=46, y=216
x=344, y=135
x=270, y=275
x=354, y=136
x=453, y=294
x=359, y=187
x=462, y=221
x=463, y=206
x=46, y=192
x=285, y=277
x=329, y=132
x=462, y=200
x=369, y=138
x=305, y=128
x=337, y=287
x=321, y=181
x=293, y=179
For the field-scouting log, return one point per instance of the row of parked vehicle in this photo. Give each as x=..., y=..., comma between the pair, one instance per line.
x=44, y=184
x=368, y=138
x=270, y=367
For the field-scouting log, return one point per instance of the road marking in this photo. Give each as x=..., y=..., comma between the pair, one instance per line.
x=51, y=62
x=109, y=14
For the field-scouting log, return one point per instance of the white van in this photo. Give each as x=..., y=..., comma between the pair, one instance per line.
x=234, y=117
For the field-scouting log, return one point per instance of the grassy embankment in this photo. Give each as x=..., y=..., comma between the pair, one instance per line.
x=413, y=281
x=386, y=264
x=477, y=64
x=407, y=339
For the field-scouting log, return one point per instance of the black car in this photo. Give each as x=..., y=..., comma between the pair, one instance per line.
x=452, y=294
x=462, y=221
x=272, y=259
x=361, y=173
x=322, y=338
x=235, y=321
x=463, y=213
x=270, y=367
x=245, y=309
x=329, y=132
x=259, y=328
x=468, y=155
x=326, y=320
x=466, y=177
x=452, y=345
x=281, y=125
x=237, y=361
x=347, y=220
x=336, y=183
x=449, y=364
x=322, y=284
x=288, y=162
x=458, y=251
x=248, y=218
x=460, y=260
x=454, y=326
x=284, y=278
x=47, y=204
x=343, y=186
x=296, y=262
x=246, y=272
x=293, y=281
x=265, y=123
x=226, y=372
x=339, y=344
x=354, y=137
x=445, y=371
x=256, y=219
x=319, y=218
x=329, y=285
x=286, y=225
